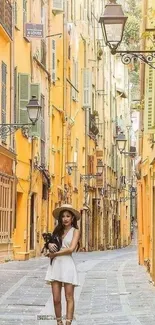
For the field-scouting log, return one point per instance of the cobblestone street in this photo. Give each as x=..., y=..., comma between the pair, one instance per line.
x=114, y=290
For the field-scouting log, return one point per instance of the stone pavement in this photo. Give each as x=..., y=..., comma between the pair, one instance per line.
x=114, y=290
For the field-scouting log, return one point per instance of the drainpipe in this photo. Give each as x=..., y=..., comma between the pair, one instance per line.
x=49, y=212
x=11, y=113
x=12, y=78
x=116, y=160
x=31, y=159
x=64, y=116
x=85, y=236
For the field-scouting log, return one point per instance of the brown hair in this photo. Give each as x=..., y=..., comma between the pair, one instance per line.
x=59, y=229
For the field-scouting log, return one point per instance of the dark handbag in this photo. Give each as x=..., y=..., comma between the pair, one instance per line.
x=50, y=238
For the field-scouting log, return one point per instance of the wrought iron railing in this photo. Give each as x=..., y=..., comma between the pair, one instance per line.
x=6, y=16
x=93, y=129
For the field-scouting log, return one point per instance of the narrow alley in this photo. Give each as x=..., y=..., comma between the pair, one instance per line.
x=114, y=290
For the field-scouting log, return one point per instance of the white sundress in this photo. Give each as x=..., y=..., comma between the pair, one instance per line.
x=63, y=268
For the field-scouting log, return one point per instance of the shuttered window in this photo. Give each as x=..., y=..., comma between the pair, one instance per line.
x=43, y=53
x=7, y=208
x=149, y=100
x=15, y=13
x=90, y=165
x=53, y=61
x=87, y=88
x=23, y=84
x=58, y=5
x=24, y=14
x=3, y=97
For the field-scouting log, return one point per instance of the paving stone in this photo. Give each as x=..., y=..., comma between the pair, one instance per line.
x=115, y=291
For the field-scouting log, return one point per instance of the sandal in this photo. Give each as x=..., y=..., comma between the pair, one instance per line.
x=68, y=321
x=59, y=321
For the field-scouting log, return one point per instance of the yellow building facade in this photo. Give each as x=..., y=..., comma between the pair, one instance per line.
x=146, y=166
x=7, y=152
x=70, y=155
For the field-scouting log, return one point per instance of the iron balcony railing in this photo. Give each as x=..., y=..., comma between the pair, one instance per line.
x=6, y=16
x=93, y=129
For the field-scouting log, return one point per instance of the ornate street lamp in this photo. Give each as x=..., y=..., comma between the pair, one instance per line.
x=33, y=110
x=121, y=142
x=113, y=23
x=99, y=168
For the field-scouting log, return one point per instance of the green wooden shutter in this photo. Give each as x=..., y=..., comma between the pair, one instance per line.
x=149, y=100
x=24, y=11
x=35, y=91
x=87, y=88
x=54, y=61
x=23, y=84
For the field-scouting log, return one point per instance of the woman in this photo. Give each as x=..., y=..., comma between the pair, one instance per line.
x=62, y=271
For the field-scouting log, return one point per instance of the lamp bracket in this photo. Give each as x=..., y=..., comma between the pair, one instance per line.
x=147, y=57
x=88, y=177
x=128, y=153
x=6, y=129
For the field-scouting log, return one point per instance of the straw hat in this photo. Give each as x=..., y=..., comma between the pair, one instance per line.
x=66, y=207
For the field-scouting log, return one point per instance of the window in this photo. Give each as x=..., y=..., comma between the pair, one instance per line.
x=7, y=208
x=87, y=88
x=43, y=53
x=53, y=61
x=15, y=13
x=23, y=97
x=90, y=165
x=24, y=14
x=42, y=13
x=72, y=10
x=3, y=97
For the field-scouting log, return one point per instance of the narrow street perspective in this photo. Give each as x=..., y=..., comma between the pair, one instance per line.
x=114, y=290
x=77, y=162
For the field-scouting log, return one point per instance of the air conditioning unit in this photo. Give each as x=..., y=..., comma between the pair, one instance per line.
x=57, y=6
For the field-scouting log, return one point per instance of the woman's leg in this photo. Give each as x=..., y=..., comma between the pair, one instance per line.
x=56, y=291
x=69, y=294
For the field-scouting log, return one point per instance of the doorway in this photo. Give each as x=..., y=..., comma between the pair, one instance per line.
x=32, y=221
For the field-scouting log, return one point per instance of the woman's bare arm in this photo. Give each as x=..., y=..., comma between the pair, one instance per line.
x=71, y=248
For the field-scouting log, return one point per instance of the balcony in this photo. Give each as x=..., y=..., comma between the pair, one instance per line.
x=93, y=129
x=6, y=17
